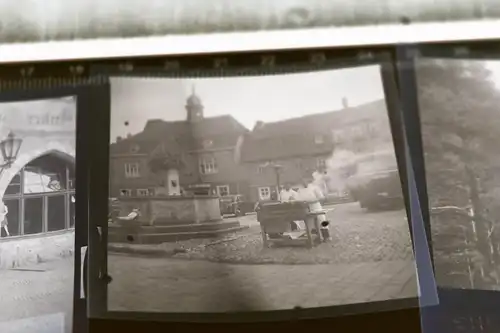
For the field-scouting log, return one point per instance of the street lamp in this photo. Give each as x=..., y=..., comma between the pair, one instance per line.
x=9, y=148
x=277, y=170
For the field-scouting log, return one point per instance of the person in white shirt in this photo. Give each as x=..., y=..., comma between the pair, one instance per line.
x=312, y=194
x=309, y=192
x=133, y=215
x=4, y=224
x=288, y=194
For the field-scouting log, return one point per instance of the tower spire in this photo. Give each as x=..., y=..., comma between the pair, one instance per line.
x=194, y=105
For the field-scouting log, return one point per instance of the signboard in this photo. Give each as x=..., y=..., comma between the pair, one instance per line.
x=41, y=115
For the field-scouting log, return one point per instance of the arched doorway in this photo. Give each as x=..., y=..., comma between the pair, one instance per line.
x=40, y=197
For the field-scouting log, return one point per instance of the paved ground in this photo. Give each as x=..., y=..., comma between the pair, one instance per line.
x=357, y=236
x=375, y=264
x=169, y=285
x=38, y=298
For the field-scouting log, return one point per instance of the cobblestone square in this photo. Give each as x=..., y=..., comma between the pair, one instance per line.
x=372, y=262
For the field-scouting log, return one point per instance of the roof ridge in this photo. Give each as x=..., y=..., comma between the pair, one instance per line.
x=323, y=113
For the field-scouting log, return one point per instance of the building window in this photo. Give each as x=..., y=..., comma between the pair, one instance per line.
x=39, y=197
x=208, y=165
x=14, y=186
x=337, y=136
x=143, y=192
x=319, y=139
x=134, y=148
x=207, y=143
x=321, y=163
x=132, y=170
x=264, y=193
x=125, y=192
x=33, y=215
x=223, y=190
x=261, y=169
x=358, y=132
x=371, y=129
x=40, y=180
x=56, y=213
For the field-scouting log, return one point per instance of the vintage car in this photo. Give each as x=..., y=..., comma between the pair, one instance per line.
x=235, y=205
x=336, y=198
x=376, y=184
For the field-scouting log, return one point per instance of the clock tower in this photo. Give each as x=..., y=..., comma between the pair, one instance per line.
x=194, y=107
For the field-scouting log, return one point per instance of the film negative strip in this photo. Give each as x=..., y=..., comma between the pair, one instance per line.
x=462, y=224
x=247, y=63
x=79, y=71
x=45, y=135
x=201, y=152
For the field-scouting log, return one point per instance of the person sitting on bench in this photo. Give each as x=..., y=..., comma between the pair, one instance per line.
x=133, y=215
x=287, y=194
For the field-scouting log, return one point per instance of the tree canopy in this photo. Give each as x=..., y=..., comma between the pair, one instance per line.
x=164, y=162
x=459, y=113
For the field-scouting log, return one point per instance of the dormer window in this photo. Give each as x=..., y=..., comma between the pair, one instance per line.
x=319, y=139
x=321, y=163
x=134, y=148
x=207, y=143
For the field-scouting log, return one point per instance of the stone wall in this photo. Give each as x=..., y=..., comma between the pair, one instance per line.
x=173, y=210
x=27, y=250
x=207, y=210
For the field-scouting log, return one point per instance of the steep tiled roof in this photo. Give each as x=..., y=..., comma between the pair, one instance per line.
x=296, y=137
x=178, y=136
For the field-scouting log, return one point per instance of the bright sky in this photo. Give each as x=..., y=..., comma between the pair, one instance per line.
x=248, y=99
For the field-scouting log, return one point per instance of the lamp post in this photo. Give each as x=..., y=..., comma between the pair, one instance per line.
x=277, y=170
x=9, y=148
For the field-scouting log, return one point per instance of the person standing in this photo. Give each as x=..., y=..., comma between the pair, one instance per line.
x=288, y=194
x=313, y=195
x=4, y=223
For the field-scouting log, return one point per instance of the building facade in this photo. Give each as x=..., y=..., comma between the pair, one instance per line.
x=292, y=150
x=38, y=187
x=203, y=149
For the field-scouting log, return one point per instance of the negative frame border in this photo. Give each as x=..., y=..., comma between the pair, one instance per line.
x=293, y=63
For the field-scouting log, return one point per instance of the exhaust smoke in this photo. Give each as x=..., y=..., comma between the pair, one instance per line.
x=345, y=169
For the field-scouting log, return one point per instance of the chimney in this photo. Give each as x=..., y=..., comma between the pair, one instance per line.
x=119, y=138
x=345, y=103
x=258, y=125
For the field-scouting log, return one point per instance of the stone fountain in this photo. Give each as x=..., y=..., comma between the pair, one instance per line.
x=170, y=215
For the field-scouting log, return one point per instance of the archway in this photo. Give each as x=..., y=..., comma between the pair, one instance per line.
x=40, y=196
